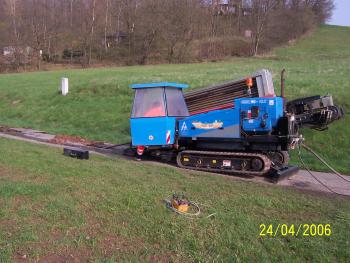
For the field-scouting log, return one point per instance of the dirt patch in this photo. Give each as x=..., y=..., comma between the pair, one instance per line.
x=48, y=253
x=52, y=258
x=11, y=174
x=20, y=200
x=164, y=258
x=66, y=139
x=4, y=128
x=22, y=258
x=108, y=243
x=8, y=130
x=19, y=175
x=8, y=226
x=112, y=244
x=67, y=255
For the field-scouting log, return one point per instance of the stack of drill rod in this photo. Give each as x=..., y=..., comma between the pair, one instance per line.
x=219, y=96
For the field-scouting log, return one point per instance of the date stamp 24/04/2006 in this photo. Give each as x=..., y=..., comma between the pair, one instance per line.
x=295, y=230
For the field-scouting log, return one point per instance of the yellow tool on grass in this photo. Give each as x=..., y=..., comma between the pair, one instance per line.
x=180, y=203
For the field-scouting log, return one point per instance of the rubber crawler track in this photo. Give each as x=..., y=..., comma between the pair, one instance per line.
x=264, y=158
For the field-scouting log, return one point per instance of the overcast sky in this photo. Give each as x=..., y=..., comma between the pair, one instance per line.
x=341, y=13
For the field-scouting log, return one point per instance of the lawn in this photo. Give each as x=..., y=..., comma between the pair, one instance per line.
x=58, y=209
x=98, y=106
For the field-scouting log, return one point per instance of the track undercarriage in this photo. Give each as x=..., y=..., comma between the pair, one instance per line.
x=239, y=163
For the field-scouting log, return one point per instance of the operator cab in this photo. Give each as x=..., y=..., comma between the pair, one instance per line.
x=155, y=110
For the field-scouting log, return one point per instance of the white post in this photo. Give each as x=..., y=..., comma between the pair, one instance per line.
x=64, y=86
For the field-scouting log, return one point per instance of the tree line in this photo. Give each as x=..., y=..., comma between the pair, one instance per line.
x=149, y=31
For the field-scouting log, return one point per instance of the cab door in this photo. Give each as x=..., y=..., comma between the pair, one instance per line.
x=148, y=118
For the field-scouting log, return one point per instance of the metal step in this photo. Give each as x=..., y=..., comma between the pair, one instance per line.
x=276, y=175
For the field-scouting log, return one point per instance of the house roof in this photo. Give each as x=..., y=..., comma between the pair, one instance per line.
x=159, y=84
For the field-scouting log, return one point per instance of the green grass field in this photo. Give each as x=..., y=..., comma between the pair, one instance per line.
x=98, y=106
x=58, y=209
x=55, y=208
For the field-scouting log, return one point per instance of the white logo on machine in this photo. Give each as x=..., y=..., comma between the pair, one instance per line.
x=271, y=102
x=184, y=127
x=151, y=138
x=208, y=126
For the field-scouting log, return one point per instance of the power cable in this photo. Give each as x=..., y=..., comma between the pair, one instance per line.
x=315, y=177
x=324, y=162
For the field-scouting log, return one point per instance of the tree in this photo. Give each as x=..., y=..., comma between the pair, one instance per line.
x=151, y=30
x=260, y=14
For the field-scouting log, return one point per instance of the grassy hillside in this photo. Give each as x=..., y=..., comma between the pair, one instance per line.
x=58, y=209
x=99, y=102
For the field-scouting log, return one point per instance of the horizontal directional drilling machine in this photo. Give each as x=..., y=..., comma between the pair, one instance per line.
x=239, y=127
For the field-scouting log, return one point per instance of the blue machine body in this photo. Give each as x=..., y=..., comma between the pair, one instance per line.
x=253, y=115
x=261, y=114
x=158, y=127
x=250, y=115
x=213, y=124
x=152, y=131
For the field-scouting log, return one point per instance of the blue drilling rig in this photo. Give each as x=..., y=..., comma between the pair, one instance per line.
x=239, y=127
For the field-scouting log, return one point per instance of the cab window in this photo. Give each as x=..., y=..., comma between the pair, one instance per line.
x=176, y=104
x=149, y=103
